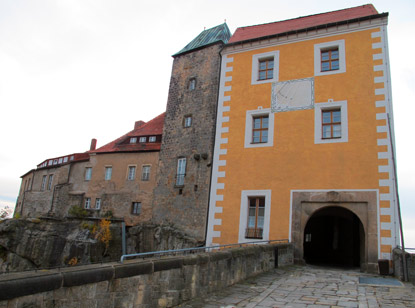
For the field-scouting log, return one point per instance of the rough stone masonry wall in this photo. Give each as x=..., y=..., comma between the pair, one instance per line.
x=186, y=206
x=398, y=266
x=164, y=282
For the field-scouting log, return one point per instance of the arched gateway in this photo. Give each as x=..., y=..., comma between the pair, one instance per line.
x=335, y=228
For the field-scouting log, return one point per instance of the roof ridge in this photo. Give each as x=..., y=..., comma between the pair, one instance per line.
x=290, y=19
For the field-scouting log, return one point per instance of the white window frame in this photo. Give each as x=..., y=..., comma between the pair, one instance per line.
x=87, y=204
x=152, y=139
x=88, y=173
x=98, y=204
x=340, y=44
x=50, y=181
x=108, y=173
x=255, y=66
x=250, y=114
x=145, y=176
x=192, y=84
x=181, y=171
x=136, y=210
x=318, y=131
x=142, y=139
x=133, y=140
x=187, y=121
x=44, y=179
x=131, y=171
x=243, y=215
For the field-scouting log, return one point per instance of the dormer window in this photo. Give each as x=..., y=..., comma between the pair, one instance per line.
x=152, y=139
x=133, y=140
x=143, y=139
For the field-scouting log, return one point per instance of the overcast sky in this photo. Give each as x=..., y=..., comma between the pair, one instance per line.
x=72, y=70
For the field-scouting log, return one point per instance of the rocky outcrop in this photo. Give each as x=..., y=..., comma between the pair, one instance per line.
x=45, y=243
x=39, y=243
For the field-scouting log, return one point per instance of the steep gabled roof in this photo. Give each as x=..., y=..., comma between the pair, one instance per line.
x=275, y=28
x=208, y=37
x=153, y=127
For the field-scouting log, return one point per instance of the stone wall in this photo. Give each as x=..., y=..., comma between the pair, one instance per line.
x=186, y=205
x=398, y=266
x=164, y=282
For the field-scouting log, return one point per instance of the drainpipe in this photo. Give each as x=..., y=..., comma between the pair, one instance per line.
x=405, y=272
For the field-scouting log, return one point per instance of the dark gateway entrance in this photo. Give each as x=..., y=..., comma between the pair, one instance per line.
x=334, y=236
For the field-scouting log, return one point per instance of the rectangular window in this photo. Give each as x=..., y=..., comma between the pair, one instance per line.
x=43, y=182
x=331, y=124
x=98, y=203
x=142, y=139
x=330, y=59
x=28, y=184
x=133, y=140
x=131, y=173
x=136, y=208
x=187, y=121
x=192, y=84
x=181, y=171
x=50, y=181
x=108, y=173
x=145, y=173
x=266, y=69
x=256, y=211
x=88, y=173
x=60, y=160
x=87, y=203
x=152, y=139
x=260, y=129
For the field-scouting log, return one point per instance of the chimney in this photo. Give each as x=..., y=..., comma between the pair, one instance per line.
x=138, y=124
x=93, y=144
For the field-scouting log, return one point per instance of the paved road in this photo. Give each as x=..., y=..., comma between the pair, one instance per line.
x=311, y=287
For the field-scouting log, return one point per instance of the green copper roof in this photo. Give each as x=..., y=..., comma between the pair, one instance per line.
x=207, y=37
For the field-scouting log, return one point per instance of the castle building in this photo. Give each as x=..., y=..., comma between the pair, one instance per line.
x=115, y=180
x=182, y=192
x=303, y=149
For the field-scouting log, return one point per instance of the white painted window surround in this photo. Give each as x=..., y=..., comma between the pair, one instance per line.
x=255, y=66
x=243, y=215
x=250, y=114
x=317, y=57
x=318, y=108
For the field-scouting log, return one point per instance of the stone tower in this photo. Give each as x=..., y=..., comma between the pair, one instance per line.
x=182, y=192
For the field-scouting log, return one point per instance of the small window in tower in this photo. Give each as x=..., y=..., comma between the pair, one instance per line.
x=187, y=122
x=192, y=84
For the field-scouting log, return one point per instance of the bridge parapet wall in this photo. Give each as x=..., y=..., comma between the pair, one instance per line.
x=162, y=282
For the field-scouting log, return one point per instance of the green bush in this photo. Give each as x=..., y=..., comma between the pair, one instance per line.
x=78, y=212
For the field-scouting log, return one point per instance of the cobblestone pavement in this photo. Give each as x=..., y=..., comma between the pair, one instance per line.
x=308, y=286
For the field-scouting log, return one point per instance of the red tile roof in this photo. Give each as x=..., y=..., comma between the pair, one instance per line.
x=153, y=127
x=253, y=32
